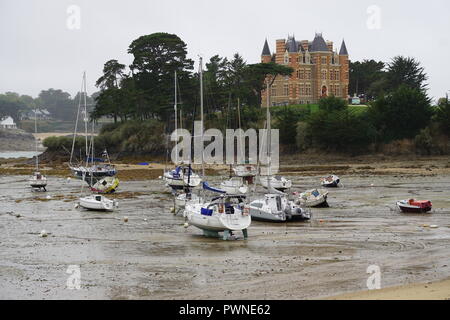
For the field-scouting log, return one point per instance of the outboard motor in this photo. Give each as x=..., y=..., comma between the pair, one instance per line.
x=304, y=213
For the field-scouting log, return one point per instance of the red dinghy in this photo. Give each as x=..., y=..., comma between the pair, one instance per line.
x=415, y=206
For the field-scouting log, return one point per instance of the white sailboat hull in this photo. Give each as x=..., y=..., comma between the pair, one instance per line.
x=217, y=221
x=182, y=181
x=182, y=199
x=330, y=182
x=276, y=182
x=38, y=181
x=98, y=203
x=245, y=171
x=277, y=208
x=312, y=198
x=234, y=186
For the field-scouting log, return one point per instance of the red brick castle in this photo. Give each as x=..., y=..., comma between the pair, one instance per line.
x=319, y=71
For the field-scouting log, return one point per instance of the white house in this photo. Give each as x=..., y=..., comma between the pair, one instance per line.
x=8, y=123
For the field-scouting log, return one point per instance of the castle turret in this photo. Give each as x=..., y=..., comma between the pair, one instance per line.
x=266, y=57
x=343, y=51
x=345, y=69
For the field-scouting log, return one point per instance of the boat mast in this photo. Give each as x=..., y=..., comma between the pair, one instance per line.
x=76, y=123
x=176, y=124
x=35, y=139
x=201, y=111
x=241, y=143
x=85, y=113
x=92, y=153
x=269, y=160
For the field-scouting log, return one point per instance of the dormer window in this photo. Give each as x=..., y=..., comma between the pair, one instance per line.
x=286, y=58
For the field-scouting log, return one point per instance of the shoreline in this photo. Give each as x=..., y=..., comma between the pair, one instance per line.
x=300, y=165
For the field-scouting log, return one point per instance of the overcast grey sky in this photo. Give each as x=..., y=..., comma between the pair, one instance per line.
x=39, y=50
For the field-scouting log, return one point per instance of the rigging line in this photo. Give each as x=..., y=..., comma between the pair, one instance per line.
x=176, y=124
x=85, y=112
x=35, y=139
x=201, y=113
x=76, y=124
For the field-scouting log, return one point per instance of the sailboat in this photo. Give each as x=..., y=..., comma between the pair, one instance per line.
x=268, y=180
x=95, y=168
x=275, y=206
x=98, y=203
x=330, y=181
x=243, y=173
x=182, y=177
x=95, y=202
x=279, y=183
x=105, y=185
x=37, y=180
x=223, y=213
x=313, y=198
x=234, y=185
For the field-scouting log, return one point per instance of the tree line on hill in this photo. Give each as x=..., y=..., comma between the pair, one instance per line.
x=59, y=104
x=399, y=106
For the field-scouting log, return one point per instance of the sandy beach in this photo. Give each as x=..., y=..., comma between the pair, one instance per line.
x=421, y=291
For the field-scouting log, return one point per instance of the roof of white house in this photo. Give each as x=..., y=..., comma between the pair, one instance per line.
x=7, y=121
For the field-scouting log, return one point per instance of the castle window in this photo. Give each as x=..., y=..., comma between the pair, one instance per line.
x=308, y=89
x=273, y=91
x=302, y=89
x=324, y=60
x=286, y=90
x=324, y=74
x=338, y=89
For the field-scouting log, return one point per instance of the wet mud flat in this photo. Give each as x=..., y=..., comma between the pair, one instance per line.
x=152, y=256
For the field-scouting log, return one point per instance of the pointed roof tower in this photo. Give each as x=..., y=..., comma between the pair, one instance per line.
x=292, y=45
x=266, y=50
x=319, y=44
x=343, y=51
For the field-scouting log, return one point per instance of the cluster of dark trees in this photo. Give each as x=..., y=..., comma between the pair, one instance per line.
x=375, y=78
x=400, y=109
x=146, y=91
